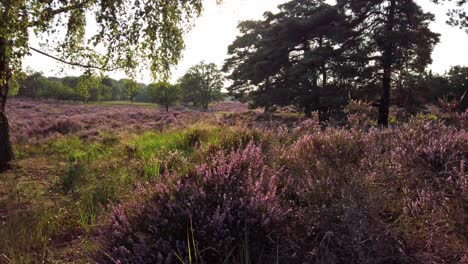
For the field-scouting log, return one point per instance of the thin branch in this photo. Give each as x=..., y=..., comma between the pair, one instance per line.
x=76, y=64
x=49, y=13
x=64, y=9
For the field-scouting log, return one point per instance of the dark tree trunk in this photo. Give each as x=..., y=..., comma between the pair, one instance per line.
x=3, y=97
x=267, y=108
x=387, y=60
x=167, y=108
x=308, y=111
x=323, y=66
x=267, y=103
x=308, y=105
x=6, y=152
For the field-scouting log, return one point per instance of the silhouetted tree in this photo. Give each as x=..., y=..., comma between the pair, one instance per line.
x=296, y=56
x=396, y=37
x=317, y=56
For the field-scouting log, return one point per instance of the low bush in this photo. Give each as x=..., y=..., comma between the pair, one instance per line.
x=314, y=195
x=424, y=182
x=246, y=188
x=227, y=209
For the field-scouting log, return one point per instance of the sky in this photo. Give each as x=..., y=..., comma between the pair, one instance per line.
x=216, y=29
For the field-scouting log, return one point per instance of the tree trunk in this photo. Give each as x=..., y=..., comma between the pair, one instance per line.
x=323, y=65
x=267, y=108
x=6, y=151
x=384, y=107
x=267, y=103
x=308, y=111
x=167, y=108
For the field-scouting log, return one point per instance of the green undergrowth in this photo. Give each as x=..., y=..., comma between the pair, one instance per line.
x=63, y=187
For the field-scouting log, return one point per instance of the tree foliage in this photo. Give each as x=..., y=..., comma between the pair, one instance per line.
x=130, y=89
x=163, y=93
x=317, y=56
x=458, y=16
x=86, y=83
x=202, y=84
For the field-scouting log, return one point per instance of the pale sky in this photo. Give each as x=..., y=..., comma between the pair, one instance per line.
x=217, y=28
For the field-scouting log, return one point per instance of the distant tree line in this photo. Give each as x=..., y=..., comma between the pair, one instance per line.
x=318, y=57
x=200, y=86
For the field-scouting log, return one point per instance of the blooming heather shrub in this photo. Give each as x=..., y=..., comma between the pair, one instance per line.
x=36, y=120
x=425, y=179
x=308, y=126
x=226, y=204
x=349, y=231
x=309, y=195
x=64, y=126
x=230, y=107
x=334, y=221
x=360, y=114
x=321, y=163
x=457, y=119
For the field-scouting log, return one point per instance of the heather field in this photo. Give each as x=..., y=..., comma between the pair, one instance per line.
x=33, y=121
x=234, y=132
x=135, y=184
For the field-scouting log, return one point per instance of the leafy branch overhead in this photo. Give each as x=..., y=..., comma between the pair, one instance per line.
x=127, y=32
x=458, y=16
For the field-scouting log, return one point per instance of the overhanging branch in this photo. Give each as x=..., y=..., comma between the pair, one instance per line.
x=76, y=64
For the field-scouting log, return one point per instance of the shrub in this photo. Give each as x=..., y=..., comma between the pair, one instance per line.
x=64, y=126
x=334, y=220
x=308, y=126
x=424, y=181
x=227, y=209
x=322, y=163
x=360, y=114
x=73, y=176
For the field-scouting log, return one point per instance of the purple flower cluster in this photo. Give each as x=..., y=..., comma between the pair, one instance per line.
x=36, y=120
x=331, y=195
x=429, y=182
x=227, y=209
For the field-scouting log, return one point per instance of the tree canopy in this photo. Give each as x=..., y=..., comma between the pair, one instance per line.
x=130, y=89
x=318, y=56
x=201, y=84
x=163, y=93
